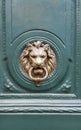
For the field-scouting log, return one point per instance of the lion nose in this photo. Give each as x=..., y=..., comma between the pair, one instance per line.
x=38, y=61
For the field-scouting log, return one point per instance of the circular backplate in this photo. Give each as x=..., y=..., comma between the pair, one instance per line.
x=16, y=49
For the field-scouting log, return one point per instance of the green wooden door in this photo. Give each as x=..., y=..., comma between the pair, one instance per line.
x=54, y=103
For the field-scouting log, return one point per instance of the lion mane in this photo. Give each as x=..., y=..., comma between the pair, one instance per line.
x=25, y=59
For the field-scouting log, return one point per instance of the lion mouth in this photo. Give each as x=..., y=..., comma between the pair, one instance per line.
x=38, y=74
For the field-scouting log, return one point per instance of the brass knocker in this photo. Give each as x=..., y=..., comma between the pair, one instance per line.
x=38, y=60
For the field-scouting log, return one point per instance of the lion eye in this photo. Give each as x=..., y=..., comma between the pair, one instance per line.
x=42, y=56
x=33, y=56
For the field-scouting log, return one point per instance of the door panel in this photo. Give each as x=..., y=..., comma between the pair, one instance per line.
x=54, y=27
x=22, y=25
x=43, y=15
x=44, y=121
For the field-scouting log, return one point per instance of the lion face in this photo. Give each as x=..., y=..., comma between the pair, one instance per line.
x=38, y=61
x=38, y=57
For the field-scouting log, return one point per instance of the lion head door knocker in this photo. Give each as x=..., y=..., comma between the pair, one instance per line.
x=38, y=61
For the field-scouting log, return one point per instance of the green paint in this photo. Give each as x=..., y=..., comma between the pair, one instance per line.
x=56, y=103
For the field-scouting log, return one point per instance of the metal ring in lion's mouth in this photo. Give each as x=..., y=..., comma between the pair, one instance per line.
x=38, y=74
